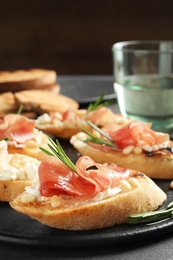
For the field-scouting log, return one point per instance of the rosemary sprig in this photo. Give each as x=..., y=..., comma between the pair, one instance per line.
x=152, y=216
x=92, y=138
x=100, y=131
x=99, y=102
x=58, y=151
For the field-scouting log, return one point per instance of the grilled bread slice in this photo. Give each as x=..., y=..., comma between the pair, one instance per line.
x=43, y=101
x=26, y=79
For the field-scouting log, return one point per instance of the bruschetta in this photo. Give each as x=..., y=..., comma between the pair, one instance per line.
x=65, y=125
x=134, y=145
x=87, y=195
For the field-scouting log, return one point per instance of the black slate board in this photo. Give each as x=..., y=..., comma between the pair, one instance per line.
x=20, y=229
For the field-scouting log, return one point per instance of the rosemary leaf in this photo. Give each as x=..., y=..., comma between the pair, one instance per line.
x=170, y=205
x=152, y=217
x=46, y=151
x=20, y=109
x=96, y=140
x=100, y=131
x=99, y=102
x=4, y=139
x=93, y=106
x=58, y=151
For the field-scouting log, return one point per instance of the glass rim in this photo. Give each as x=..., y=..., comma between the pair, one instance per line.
x=166, y=44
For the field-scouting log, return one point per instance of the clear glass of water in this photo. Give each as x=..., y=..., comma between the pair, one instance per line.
x=143, y=73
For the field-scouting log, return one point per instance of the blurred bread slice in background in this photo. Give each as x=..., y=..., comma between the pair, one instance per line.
x=7, y=103
x=20, y=80
x=35, y=78
x=55, y=88
x=44, y=101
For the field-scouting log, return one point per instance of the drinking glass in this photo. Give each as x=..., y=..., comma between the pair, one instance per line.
x=143, y=73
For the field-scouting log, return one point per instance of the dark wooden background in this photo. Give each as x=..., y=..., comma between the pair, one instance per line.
x=75, y=36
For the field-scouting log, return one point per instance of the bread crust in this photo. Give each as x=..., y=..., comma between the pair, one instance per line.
x=25, y=79
x=9, y=190
x=55, y=88
x=157, y=166
x=95, y=215
x=64, y=132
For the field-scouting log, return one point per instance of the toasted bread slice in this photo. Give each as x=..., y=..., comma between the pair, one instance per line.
x=156, y=165
x=43, y=101
x=143, y=195
x=8, y=102
x=8, y=106
x=26, y=79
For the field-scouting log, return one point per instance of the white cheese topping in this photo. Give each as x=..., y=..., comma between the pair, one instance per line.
x=46, y=120
x=28, y=172
x=13, y=167
x=107, y=193
x=43, y=119
x=149, y=148
x=34, y=190
x=38, y=136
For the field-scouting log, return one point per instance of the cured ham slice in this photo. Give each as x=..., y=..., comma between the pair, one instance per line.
x=89, y=179
x=16, y=128
x=137, y=133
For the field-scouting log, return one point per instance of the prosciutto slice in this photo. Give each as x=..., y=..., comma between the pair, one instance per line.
x=89, y=179
x=16, y=128
x=137, y=133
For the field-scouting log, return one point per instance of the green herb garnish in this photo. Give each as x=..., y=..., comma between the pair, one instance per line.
x=99, y=102
x=4, y=139
x=58, y=151
x=152, y=216
x=92, y=138
x=20, y=109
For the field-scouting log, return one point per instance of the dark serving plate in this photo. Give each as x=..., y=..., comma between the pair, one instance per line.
x=19, y=229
